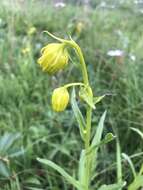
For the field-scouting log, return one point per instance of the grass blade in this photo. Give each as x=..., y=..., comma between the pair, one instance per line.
x=81, y=169
x=113, y=186
x=69, y=178
x=126, y=157
x=138, y=132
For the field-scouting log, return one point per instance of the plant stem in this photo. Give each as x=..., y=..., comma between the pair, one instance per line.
x=74, y=84
x=87, y=145
x=81, y=59
x=119, y=164
x=86, y=181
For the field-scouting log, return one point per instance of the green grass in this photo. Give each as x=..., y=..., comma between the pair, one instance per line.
x=25, y=92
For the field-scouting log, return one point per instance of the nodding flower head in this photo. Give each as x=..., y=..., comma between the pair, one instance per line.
x=60, y=99
x=54, y=57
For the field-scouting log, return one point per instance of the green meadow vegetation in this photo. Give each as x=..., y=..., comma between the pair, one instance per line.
x=29, y=128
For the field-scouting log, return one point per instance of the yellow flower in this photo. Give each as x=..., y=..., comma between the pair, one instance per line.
x=60, y=99
x=79, y=27
x=54, y=57
x=25, y=50
x=31, y=30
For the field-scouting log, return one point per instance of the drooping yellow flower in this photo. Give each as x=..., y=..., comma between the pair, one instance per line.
x=60, y=99
x=54, y=57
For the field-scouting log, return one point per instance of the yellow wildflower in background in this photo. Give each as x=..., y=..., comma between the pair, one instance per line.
x=54, y=57
x=60, y=99
x=31, y=30
x=26, y=50
x=79, y=27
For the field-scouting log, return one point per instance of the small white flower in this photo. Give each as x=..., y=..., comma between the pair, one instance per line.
x=132, y=57
x=60, y=5
x=115, y=53
x=112, y=6
x=136, y=2
x=103, y=4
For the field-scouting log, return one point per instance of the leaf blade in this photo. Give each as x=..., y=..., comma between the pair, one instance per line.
x=113, y=186
x=69, y=178
x=78, y=114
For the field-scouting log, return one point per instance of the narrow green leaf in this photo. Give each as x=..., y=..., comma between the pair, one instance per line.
x=113, y=186
x=109, y=137
x=32, y=184
x=32, y=180
x=33, y=188
x=69, y=178
x=138, y=132
x=119, y=161
x=97, y=138
x=98, y=99
x=7, y=141
x=17, y=153
x=126, y=157
x=81, y=170
x=78, y=114
x=4, y=171
x=137, y=183
x=141, y=170
x=96, y=141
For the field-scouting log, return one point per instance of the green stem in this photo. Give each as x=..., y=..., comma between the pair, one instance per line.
x=119, y=164
x=74, y=84
x=81, y=59
x=86, y=181
x=87, y=145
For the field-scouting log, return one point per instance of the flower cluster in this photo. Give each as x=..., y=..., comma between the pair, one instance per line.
x=53, y=59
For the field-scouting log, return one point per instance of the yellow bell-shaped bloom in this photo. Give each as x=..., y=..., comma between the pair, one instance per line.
x=54, y=57
x=60, y=99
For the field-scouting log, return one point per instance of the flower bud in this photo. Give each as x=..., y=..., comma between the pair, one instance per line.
x=79, y=27
x=54, y=57
x=60, y=99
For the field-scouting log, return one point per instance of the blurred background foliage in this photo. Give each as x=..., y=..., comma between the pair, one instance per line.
x=28, y=126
